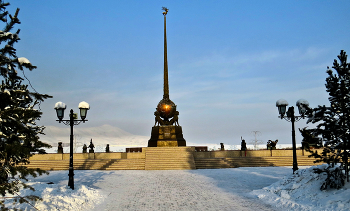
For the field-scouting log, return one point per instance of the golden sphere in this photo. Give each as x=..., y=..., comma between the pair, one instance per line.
x=166, y=108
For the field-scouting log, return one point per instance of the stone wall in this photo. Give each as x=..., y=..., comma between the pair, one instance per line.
x=197, y=155
x=248, y=153
x=85, y=156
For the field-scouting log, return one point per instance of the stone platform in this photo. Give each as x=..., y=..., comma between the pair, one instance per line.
x=170, y=158
x=166, y=136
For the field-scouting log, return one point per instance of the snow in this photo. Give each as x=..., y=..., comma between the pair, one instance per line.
x=302, y=102
x=7, y=92
x=254, y=188
x=301, y=191
x=84, y=104
x=59, y=197
x=60, y=105
x=281, y=102
x=23, y=60
x=2, y=34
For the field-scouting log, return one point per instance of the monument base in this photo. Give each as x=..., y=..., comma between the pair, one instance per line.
x=166, y=136
x=167, y=143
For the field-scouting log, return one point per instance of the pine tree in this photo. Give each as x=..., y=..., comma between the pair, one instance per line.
x=333, y=120
x=18, y=114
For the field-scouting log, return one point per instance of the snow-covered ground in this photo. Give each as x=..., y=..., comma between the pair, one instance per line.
x=255, y=188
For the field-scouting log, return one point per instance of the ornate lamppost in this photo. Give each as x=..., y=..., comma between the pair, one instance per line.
x=282, y=107
x=60, y=107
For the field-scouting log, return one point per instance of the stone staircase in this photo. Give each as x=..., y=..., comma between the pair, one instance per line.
x=91, y=164
x=235, y=162
x=169, y=158
x=213, y=163
x=125, y=164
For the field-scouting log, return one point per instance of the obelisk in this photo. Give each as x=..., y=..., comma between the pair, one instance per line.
x=166, y=131
x=166, y=83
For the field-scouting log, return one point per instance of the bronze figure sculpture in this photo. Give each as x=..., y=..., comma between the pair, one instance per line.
x=271, y=144
x=91, y=147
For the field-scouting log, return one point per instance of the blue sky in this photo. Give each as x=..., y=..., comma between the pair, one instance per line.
x=229, y=61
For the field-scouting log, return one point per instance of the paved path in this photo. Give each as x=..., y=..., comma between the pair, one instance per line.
x=224, y=189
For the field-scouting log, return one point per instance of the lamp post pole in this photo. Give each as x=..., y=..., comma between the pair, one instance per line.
x=292, y=119
x=60, y=107
x=71, y=170
x=303, y=105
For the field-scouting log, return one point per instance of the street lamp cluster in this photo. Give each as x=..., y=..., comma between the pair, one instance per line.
x=60, y=107
x=73, y=120
x=302, y=105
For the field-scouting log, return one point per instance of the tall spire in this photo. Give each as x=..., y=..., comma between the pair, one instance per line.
x=168, y=133
x=166, y=83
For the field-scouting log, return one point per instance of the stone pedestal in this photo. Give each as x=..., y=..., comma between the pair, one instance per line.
x=166, y=136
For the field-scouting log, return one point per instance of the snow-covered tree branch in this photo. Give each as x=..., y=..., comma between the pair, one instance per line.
x=18, y=111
